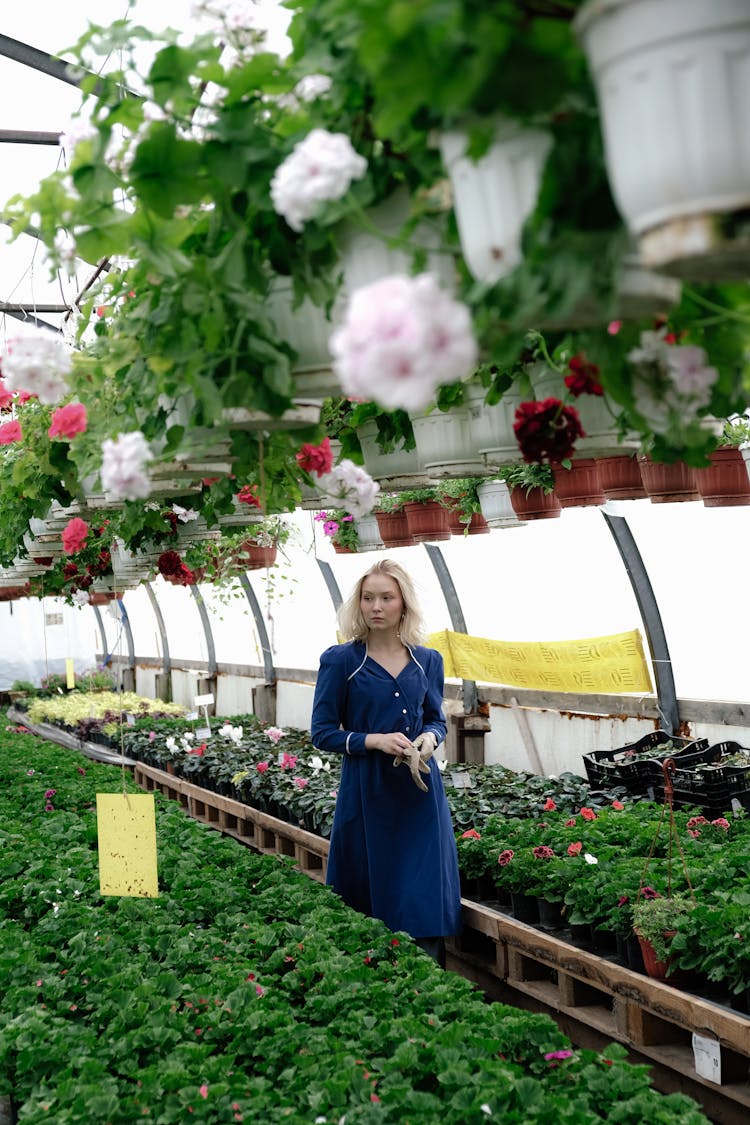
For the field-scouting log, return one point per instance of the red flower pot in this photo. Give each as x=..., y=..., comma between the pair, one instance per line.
x=725, y=482
x=536, y=504
x=394, y=529
x=666, y=484
x=427, y=520
x=477, y=524
x=620, y=478
x=578, y=486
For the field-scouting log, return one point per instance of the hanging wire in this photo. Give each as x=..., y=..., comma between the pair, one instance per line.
x=668, y=769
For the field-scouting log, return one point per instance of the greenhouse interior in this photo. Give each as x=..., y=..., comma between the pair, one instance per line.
x=375, y=392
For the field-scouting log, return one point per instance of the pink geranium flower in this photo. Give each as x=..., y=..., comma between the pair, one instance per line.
x=471, y=834
x=67, y=421
x=10, y=432
x=575, y=849
x=505, y=857
x=588, y=814
x=74, y=535
x=549, y=805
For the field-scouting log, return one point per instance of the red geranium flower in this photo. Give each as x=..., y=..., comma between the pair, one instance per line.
x=316, y=458
x=6, y=396
x=549, y=805
x=617, y=805
x=649, y=892
x=583, y=378
x=570, y=823
x=248, y=494
x=547, y=430
x=505, y=857
x=174, y=570
x=471, y=834
x=588, y=814
x=543, y=852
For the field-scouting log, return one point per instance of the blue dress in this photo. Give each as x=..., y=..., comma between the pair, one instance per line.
x=393, y=849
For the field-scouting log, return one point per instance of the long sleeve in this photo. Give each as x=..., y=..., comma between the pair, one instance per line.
x=330, y=707
x=434, y=717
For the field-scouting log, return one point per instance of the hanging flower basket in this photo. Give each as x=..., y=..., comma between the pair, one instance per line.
x=578, y=486
x=666, y=484
x=367, y=257
x=394, y=529
x=307, y=330
x=427, y=520
x=495, y=502
x=670, y=78
x=446, y=442
x=725, y=483
x=400, y=468
x=477, y=525
x=493, y=196
x=535, y=504
x=252, y=556
x=620, y=478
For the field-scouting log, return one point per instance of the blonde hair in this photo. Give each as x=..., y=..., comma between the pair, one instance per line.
x=352, y=625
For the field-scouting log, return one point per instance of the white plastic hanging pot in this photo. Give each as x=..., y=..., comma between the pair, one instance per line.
x=368, y=534
x=307, y=329
x=367, y=256
x=493, y=196
x=401, y=468
x=494, y=439
x=497, y=509
x=672, y=79
x=446, y=442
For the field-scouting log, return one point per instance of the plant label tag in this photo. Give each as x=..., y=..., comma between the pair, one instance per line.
x=707, y=1054
x=191, y=716
x=203, y=732
x=130, y=720
x=204, y=700
x=126, y=826
x=462, y=780
x=737, y=807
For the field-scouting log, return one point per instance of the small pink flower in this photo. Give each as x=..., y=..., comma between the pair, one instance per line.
x=50, y=793
x=505, y=857
x=570, y=823
x=549, y=805
x=203, y=1090
x=260, y=990
x=274, y=733
x=471, y=834
x=695, y=821
x=614, y=327
x=543, y=852
x=721, y=822
x=554, y=1055
x=49, y=808
x=300, y=782
x=588, y=814
x=10, y=432
x=262, y=766
x=288, y=761
x=575, y=849
x=618, y=805
x=151, y=735
x=81, y=770
x=694, y=833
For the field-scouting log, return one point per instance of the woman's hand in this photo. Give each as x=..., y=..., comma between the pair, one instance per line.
x=395, y=744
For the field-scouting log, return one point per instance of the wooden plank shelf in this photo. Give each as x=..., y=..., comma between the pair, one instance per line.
x=595, y=1000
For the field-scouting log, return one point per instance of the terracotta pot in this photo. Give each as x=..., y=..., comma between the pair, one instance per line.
x=536, y=504
x=620, y=478
x=725, y=483
x=578, y=486
x=342, y=550
x=427, y=520
x=477, y=524
x=656, y=969
x=666, y=484
x=253, y=557
x=394, y=529
x=98, y=597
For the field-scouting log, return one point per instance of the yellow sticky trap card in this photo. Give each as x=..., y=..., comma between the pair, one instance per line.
x=126, y=825
x=70, y=676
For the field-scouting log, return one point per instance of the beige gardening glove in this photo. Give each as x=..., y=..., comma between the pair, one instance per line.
x=418, y=755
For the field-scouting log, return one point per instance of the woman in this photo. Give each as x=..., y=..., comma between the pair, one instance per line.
x=393, y=849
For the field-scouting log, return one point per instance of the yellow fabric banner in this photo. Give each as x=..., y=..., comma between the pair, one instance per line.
x=613, y=664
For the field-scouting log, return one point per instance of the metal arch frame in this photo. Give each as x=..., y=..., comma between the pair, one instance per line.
x=666, y=694
x=38, y=60
x=128, y=634
x=435, y=556
x=203, y=614
x=260, y=624
x=102, y=631
x=166, y=658
x=330, y=580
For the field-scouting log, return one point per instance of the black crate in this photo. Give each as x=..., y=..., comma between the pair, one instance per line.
x=716, y=780
x=714, y=806
x=621, y=766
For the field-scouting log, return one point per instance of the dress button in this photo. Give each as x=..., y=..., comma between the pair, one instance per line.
x=404, y=712
x=397, y=693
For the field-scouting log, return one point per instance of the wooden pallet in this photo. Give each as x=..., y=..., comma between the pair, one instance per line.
x=596, y=1001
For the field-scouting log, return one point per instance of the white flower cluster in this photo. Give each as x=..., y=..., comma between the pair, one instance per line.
x=401, y=338
x=123, y=469
x=237, y=23
x=319, y=169
x=38, y=363
x=76, y=132
x=671, y=381
x=350, y=487
x=232, y=733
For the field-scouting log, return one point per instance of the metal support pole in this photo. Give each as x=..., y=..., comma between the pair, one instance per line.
x=102, y=631
x=260, y=625
x=330, y=581
x=167, y=660
x=203, y=614
x=456, y=616
x=656, y=639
